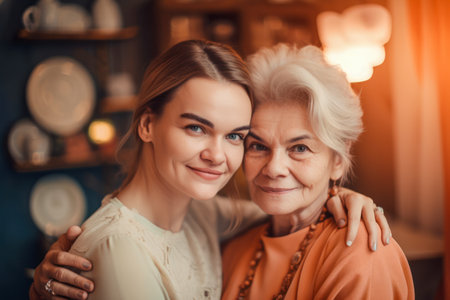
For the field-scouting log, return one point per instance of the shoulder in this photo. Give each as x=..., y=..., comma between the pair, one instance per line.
x=331, y=242
x=110, y=220
x=356, y=270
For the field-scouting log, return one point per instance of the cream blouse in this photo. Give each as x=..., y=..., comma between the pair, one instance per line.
x=134, y=259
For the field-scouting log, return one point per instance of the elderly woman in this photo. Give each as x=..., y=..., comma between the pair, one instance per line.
x=305, y=120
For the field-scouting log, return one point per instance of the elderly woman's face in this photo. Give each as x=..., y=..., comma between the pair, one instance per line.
x=287, y=167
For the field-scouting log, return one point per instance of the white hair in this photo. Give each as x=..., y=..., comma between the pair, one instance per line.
x=285, y=72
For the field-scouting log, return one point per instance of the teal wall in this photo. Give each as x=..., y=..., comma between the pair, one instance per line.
x=21, y=243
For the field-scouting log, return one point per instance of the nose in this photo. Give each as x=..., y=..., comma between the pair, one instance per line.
x=276, y=165
x=214, y=152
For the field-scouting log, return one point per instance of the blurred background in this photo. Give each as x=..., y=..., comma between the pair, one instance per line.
x=70, y=70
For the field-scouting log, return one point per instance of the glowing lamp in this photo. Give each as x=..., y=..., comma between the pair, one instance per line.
x=354, y=39
x=101, y=131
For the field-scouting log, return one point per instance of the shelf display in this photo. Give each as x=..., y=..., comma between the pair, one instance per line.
x=71, y=148
x=270, y=24
x=245, y=25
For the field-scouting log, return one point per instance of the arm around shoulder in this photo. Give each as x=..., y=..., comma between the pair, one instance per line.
x=357, y=273
x=123, y=269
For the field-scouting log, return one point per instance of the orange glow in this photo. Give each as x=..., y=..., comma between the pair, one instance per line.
x=357, y=61
x=354, y=39
x=101, y=131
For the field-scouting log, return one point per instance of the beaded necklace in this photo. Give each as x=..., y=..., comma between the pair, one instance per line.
x=296, y=259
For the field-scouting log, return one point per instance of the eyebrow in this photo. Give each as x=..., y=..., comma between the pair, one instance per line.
x=301, y=137
x=198, y=119
x=209, y=123
x=253, y=135
x=292, y=140
x=242, y=128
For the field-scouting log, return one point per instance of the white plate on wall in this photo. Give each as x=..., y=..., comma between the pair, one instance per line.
x=57, y=202
x=61, y=95
x=25, y=140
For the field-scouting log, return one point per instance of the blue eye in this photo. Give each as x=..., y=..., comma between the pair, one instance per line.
x=235, y=138
x=299, y=148
x=195, y=128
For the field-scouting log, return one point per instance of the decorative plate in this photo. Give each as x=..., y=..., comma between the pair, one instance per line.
x=61, y=95
x=57, y=202
x=28, y=143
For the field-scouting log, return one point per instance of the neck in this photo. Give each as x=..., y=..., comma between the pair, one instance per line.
x=153, y=198
x=299, y=219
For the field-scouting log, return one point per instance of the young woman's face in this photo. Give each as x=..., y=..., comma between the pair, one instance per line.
x=198, y=139
x=287, y=167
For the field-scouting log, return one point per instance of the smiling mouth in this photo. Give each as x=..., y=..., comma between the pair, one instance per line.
x=273, y=190
x=206, y=173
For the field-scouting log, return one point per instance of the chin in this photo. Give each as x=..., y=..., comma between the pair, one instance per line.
x=275, y=209
x=203, y=193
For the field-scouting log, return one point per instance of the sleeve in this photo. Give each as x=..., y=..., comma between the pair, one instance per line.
x=124, y=270
x=234, y=216
x=357, y=273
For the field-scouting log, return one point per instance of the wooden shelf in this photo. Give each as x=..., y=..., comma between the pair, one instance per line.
x=94, y=159
x=89, y=35
x=118, y=104
x=201, y=6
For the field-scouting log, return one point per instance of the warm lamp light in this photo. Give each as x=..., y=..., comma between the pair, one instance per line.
x=354, y=39
x=101, y=131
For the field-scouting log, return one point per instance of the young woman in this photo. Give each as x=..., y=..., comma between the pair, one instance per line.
x=150, y=239
x=305, y=120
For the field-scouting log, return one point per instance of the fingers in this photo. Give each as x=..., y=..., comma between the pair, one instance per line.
x=359, y=205
x=73, y=232
x=64, y=275
x=354, y=208
x=386, y=233
x=335, y=207
x=371, y=225
x=63, y=290
x=66, y=259
x=66, y=283
x=66, y=240
x=58, y=291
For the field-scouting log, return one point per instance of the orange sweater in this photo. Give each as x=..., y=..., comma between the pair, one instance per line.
x=329, y=270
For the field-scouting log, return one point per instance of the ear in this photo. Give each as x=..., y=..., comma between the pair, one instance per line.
x=145, y=126
x=338, y=167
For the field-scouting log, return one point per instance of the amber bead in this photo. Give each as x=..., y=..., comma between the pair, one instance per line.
x=296, y=258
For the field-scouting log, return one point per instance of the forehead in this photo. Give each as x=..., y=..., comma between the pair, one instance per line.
x=211, y=99
x=283, y=118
